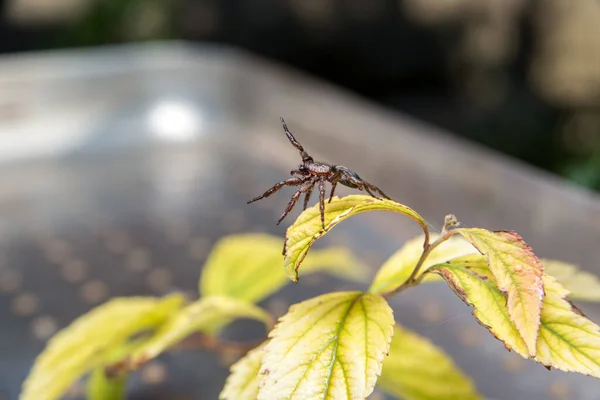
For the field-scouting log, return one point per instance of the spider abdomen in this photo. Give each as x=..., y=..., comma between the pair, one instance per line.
x=319, y=168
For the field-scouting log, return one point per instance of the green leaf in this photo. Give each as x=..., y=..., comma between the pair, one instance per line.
x=307, y=228
x=478, y=264
x=518, y=273
x=488, y=302
x=99, y=387
x=249, y=267
x=209, y=314
x=85, y=344
x=397, y=269
x=328, y=347
x=104, y=383
x=567, y=340
x=582, y=285
x=243, y=382
x=416, y=369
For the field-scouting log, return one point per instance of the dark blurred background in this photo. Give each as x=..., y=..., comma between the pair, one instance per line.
x=520, y=76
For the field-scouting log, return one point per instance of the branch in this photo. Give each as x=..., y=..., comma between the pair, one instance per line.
x=450, y=223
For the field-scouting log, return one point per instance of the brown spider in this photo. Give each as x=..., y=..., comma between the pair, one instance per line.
x=311, y=173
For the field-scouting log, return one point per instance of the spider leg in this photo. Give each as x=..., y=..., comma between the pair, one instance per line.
x=307, y=185
x=376, y=189
x=333, y=185
x=305, y=157
x=351, y=179
x=290, y=205
x=287, y=182
x=369, y=191
x=322, y=200
x=307, y=196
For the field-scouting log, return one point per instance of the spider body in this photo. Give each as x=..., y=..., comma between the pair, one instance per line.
x=313, y=173
x=318, y=169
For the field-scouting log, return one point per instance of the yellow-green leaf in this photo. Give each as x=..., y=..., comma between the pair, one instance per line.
x=245, y=377
x=582, y=285
x=328, y=347
x=209, y=314
x=568, y=340
x=476, y=263
x=416, y=369
x=83, y=345
x=397, y=269
x=489, y=303
x=518, y=273
x=100, y=387
x=249, y=267
x=307, y=229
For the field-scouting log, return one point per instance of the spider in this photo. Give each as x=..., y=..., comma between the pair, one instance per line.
x=311, y=173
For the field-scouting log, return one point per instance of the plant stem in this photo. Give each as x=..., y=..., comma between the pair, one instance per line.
x=413, y=280
x=205, y=342
x=198, y=341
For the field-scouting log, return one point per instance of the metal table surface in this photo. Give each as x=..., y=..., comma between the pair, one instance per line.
x=121, y=166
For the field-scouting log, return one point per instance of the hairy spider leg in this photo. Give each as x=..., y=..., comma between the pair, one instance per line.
x=333, y=185
x=375, y=188
x=371, y=193
x=287, y=182
x=307, y=185
x=305, y=157
x=352, y=179
x=347, y=177
x=307, y=196
x=322, y=200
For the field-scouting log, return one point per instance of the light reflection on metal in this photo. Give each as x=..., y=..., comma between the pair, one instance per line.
x=174, y=120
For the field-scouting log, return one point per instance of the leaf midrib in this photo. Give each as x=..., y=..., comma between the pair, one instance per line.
x=334, y=357
x=337, y=344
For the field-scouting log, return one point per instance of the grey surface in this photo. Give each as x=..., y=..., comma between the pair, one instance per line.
x=86, y=176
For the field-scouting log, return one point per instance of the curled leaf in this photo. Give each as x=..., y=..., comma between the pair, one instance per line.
x=249, y=267
x=245, y=377
x=209, y=314
x=397, y=269
x=518, y=273
x=581, y=284
x=307, y=228
x=328, y=347
x=86, y=343
x=416, y=369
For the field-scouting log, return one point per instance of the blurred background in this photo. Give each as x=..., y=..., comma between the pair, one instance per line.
x=519, y=76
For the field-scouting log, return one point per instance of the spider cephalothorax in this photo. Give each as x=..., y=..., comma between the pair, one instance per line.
x=311, y=173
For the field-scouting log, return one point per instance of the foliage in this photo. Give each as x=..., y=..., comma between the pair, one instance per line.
x=331, y=346
x=416, y=369
x=338, y=345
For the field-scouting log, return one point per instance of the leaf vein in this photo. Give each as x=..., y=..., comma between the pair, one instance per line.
x=334, y=355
